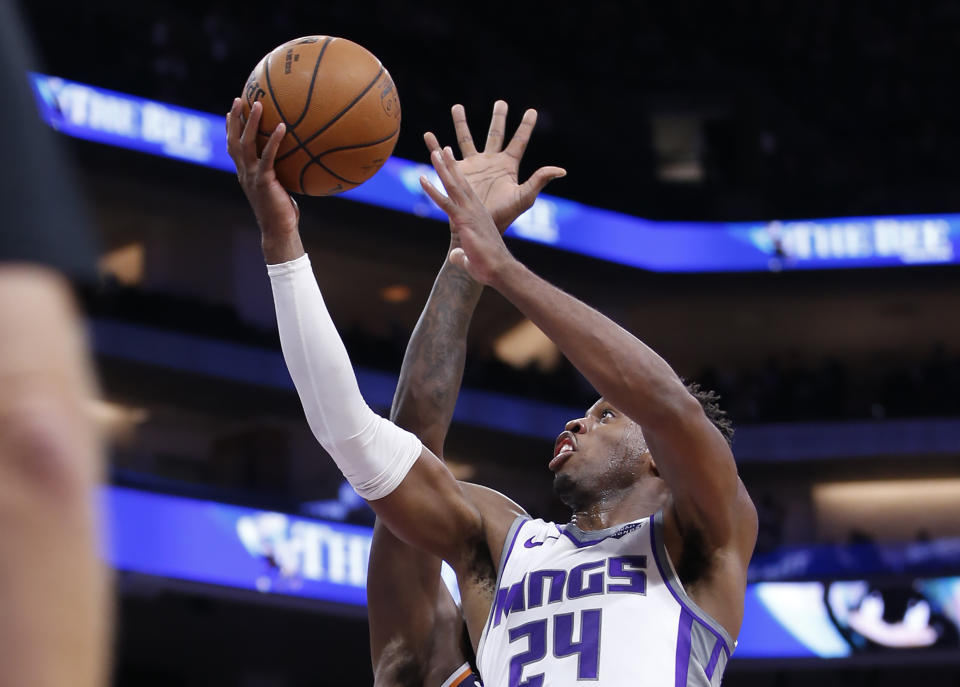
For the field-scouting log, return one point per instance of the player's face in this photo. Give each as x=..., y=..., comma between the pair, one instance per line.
x=598, y=454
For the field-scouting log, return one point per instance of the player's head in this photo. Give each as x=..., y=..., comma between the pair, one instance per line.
x=605, y=453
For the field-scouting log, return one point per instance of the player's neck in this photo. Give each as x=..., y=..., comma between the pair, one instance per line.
x=612, y=509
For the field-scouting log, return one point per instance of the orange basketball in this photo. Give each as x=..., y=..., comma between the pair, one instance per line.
x=340, y=107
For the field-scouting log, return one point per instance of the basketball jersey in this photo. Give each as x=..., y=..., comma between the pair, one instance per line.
x=604, y=607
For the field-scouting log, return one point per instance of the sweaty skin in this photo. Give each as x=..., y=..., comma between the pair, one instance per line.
x=709, y=518
x=708, y=514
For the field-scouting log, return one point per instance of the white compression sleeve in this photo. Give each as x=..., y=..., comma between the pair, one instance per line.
x=371, y=452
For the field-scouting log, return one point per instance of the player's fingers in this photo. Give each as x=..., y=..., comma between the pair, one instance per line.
x=233, y=127
x=464, y=139
x=538, y=180
x=270, y=149
x=462, y=190
x=431, y=141
x=248, y=140
x=458, y=188
x=230, y=150
x=442, y=162
x=518, y=144
x=498, y=126
x=233, y=118
x=441, y=200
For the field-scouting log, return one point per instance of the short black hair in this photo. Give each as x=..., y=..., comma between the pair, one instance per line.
x=710, y=402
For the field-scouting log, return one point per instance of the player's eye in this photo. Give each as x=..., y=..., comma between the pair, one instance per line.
x=606, y=414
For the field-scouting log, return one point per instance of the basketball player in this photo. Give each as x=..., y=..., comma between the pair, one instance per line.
x=55, y=617
x=646, y=582
x=417, y=633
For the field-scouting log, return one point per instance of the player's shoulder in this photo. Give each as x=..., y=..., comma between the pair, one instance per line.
x=492, y=501
x=499, y=515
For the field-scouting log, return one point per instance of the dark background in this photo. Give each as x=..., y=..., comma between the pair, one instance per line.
x=804, y=109
x=776, y=110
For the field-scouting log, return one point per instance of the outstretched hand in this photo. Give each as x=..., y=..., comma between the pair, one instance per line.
x=276, y=210
x=482, y=251
x=494, y=173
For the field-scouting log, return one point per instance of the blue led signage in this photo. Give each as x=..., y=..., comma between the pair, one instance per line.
x=97, y=114
x=278, y=553
x=234, y=546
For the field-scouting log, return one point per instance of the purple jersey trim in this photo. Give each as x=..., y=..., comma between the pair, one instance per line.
x=576, y=542
x=714, y=657
x=666, y=580
x=506, y=556
x=515, y=527
x=684, y=628
x=616, y=531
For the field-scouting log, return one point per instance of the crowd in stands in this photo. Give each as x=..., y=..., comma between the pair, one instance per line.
x=778, y=389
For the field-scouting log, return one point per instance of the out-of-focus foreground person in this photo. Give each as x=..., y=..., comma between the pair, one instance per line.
x=54, y=593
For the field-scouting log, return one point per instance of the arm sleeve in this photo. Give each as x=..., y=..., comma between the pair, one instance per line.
x=371, y=452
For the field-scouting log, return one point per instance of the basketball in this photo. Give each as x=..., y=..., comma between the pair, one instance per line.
x=340, y=108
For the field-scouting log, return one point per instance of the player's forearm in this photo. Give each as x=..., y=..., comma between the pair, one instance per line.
x=373, y=454
x=404, y=581
x=433, y=363
x=623, y=369
x=407, y=486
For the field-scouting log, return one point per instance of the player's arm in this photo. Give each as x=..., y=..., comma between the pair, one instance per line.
x=690, y=453
x=433, y=364
x=405, y=483
x=404, y=582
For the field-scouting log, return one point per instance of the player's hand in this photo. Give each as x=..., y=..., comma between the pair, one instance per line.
x=276, y=210
x=481, y=249
x=494, y=173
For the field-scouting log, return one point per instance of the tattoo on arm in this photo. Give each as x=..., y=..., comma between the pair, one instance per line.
x=433, y=364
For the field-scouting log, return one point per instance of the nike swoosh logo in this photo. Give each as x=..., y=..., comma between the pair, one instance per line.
x=530, y=543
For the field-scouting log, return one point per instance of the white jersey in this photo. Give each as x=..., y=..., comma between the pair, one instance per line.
x=604, y=607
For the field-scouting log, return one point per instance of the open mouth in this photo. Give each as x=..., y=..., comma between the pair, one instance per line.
x=562, y=450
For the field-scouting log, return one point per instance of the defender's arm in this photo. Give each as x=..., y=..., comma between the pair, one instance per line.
x=403, y=585
x=414, y=622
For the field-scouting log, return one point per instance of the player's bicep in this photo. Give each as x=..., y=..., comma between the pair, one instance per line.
x=695, y=460
x=429, y=510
